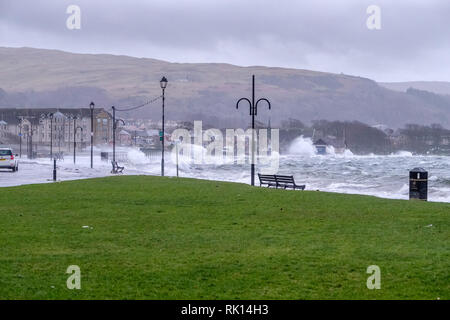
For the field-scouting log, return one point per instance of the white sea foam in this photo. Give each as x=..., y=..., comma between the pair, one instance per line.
x=302, y=146
x=402, y=154
x=330, y=150
x=348, y=153
x=136, y=158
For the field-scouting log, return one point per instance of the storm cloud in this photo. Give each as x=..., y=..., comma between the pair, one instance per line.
x=323, y=35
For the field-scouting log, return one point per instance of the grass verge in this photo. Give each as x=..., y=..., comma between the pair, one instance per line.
x=168, y=238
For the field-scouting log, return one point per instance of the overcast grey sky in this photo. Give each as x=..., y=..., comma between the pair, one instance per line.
x=324, y=35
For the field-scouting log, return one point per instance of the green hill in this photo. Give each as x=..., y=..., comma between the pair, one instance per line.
x=49, y=78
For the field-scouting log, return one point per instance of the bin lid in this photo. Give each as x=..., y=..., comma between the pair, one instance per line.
x=418, y=170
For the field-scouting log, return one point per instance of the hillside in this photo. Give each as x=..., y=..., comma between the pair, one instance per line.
x=48, y=78
x=438, y=87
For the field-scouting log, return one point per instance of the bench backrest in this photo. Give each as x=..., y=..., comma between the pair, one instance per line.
x=266, y=178
x=284, y=179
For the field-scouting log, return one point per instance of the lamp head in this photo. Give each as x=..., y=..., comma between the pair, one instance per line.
x=163, y=82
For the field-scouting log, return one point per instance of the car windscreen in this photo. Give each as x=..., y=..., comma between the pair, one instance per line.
x=5, y=153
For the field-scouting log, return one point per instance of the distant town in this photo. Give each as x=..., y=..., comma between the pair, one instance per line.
x=38, y=128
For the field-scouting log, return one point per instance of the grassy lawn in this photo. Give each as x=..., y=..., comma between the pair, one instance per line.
x=168, y=238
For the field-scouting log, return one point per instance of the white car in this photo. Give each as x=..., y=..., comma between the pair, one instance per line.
x=8, y=160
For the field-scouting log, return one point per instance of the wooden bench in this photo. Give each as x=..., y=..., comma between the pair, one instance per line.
x=288, y=182
x=267, y=179
x=116, y=168
x=279, y=181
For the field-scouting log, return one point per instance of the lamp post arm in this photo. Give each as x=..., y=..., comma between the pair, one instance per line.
x=244, y=99
x=260, y=100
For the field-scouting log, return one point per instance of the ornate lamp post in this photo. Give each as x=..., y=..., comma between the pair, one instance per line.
x=253, y=113
x=91, y=107
x=51, y=135
x=163, y=84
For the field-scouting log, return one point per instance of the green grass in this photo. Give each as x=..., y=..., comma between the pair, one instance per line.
x=168, y=238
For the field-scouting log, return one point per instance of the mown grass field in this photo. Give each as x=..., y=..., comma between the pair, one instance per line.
x=168, y=238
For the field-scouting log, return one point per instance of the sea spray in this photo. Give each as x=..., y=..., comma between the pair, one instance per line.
x=402, y=153
x=137, y=158
x=330, y=150
x=302, y=146
x=348, y=153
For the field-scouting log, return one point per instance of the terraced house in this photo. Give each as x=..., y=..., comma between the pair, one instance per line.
x=45, y=125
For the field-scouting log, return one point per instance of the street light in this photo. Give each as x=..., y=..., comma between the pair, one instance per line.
x=51, y=135
x=91, y=106
x=253, y=113
x=163, y=84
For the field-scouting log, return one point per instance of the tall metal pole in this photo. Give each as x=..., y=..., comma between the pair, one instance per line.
x=20, y=140
x=51, y=136
x=252, y=166
x=74, y=137
x=68, y=133
x=176, y=146
x=162, y=154
x=92, y=134
x=253, y=112
x=31, y=143
x=114, y=133
x=54, y=169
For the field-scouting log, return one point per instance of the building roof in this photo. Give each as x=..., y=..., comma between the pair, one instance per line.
x=13, y=115
x=123, y=132
x=58, y=114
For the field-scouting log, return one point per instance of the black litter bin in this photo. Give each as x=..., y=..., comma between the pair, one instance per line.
x=418, y=184
x=104, y=156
